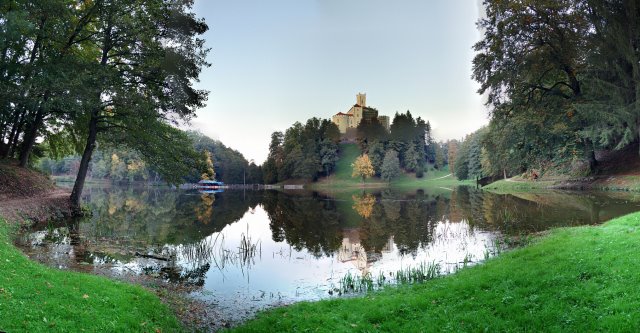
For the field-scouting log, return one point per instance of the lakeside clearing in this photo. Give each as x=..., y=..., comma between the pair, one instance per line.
x=573, y=279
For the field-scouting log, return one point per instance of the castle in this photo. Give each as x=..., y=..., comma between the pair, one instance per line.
x=356, y=114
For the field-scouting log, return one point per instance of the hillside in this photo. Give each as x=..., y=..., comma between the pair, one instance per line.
x=341, y=176
x=28, y=194
x=350, y=151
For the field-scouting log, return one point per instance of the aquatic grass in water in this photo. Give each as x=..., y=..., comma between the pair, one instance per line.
x=216, y=252
x=355, y=284
x=419, y=274
x=248, y=250
x=351, y=283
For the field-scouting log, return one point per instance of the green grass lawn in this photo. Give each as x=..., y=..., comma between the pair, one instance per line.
x=582, y=279
x=35, y=298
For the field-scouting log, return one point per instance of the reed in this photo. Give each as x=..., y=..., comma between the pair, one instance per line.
x=352, y=283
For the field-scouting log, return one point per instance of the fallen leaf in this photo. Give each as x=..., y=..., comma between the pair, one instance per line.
x=85, y=296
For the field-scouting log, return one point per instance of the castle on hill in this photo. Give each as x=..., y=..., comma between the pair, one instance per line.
x=358, y=112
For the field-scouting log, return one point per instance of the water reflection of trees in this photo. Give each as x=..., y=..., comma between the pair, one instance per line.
x=409, y=219
x=360, y=226
x=532, y=212
x=162, y=216
x=161, y=221
x=305, y=221
x=319, y=223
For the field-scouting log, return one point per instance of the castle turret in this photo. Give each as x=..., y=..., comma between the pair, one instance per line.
x=361, y=99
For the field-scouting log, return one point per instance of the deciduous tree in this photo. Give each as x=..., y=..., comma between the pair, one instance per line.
x=362, y=168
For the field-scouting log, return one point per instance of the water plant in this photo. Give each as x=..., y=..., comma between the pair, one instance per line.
x=352, y=283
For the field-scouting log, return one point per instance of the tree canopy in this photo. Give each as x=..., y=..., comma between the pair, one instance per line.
x=121, y=72
x=561, y=81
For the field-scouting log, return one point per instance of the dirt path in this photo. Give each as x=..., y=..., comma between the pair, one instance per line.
x=42, y=207
x=449, y=175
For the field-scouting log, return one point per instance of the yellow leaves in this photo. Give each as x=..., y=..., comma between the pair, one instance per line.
x=362, y=167
x=363, y=205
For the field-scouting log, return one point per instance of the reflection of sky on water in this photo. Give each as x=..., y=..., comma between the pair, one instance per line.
x=282, y=274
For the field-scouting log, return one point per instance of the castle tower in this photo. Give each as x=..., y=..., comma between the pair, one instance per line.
x=361, y=99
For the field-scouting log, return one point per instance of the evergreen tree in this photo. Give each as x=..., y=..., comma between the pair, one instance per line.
x=390, y=166
x=439, y=156
x=411, y=158
x=376, y=154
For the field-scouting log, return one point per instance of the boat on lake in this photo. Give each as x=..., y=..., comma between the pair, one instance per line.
x=209, y=184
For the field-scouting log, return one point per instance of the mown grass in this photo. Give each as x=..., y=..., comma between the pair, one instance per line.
x=581, y=279
x=35, y=298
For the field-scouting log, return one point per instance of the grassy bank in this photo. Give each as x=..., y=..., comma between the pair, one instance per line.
x=600, y=183
x=34, y=298
x=517, y=185
x=574, y=279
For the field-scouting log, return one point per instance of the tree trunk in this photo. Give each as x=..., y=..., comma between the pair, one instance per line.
x=30, y=137
x=590, y=155
x=76, y=194
x=504, y=172
x=14, y=135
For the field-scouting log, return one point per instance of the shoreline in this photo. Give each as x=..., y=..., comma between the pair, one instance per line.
x=569, y=279
x=627, y=183
x=52, y=205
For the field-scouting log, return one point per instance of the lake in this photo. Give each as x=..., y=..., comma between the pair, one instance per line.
x=242, y=251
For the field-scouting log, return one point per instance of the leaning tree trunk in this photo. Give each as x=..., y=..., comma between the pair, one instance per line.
x=90, y=146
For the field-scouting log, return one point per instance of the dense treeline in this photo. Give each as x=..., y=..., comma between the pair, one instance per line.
x=100, y=71
x=409, y=138
x=562, y=80
x=302, y=152
x=127, y=165
x=309, y=151
x=118, y=165
x=229, y=164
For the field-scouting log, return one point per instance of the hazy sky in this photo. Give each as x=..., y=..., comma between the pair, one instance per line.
x=280, y=61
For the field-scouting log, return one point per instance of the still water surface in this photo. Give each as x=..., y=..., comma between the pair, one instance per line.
x=247, y=250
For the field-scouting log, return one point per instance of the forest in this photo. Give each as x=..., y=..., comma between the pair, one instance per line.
x=122, y=165
x=562, y=82
x=310, y=151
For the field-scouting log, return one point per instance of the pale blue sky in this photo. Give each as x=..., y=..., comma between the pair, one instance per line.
x=280, y=61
